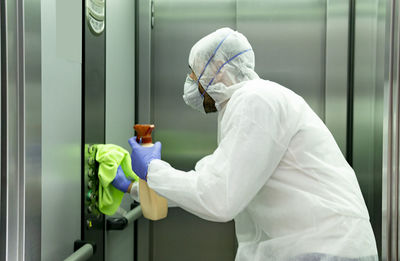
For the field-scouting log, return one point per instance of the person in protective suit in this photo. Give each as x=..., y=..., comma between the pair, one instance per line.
x=277, y=170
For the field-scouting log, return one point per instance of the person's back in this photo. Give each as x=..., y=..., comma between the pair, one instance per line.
x=312, y=203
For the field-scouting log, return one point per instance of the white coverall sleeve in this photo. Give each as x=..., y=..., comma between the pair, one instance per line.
x=223, y=183
x=135, y=195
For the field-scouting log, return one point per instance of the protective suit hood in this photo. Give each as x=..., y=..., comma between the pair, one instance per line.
x=223, y=61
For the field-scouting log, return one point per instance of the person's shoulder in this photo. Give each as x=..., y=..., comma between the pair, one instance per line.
x=263, y=91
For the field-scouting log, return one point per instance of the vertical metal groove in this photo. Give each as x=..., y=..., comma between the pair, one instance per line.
x=21, y=128
x=350, y=94
x=83, y=119
x=4, y=126
x=12, y=208
x=392, y=139
x=395, y=137
x=397, y=144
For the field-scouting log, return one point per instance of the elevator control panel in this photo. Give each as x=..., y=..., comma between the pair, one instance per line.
x=91, y=188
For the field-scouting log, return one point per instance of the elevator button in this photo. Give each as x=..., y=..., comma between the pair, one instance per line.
x=89, y=224
x=91, y=173
x=91, y=161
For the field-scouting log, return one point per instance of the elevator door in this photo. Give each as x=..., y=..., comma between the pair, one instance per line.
x=290, y=41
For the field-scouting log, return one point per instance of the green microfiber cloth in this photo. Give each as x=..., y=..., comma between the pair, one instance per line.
x=110, y=157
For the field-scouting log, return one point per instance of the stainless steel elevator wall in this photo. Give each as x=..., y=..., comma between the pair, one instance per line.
x=288, y=38
x=369, y=48
x=391, y=136
x=61, y=127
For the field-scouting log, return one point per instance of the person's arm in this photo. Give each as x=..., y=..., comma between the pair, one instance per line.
x=130, y=188
x=224, y=183
x=134, y=192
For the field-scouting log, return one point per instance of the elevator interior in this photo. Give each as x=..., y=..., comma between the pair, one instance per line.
x=89, y=82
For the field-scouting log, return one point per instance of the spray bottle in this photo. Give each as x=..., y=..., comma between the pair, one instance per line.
x=154, y=207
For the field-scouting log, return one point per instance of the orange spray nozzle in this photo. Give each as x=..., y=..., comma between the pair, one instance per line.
x=143, y=132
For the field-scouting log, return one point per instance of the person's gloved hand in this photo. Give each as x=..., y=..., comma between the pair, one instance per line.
x=141, y=157
x=121, y=182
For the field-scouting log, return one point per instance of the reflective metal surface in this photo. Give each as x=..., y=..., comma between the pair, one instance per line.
x=143, y=60
x=186, y=134
x=303, y=45
x=120, y=104
x=20, y=130
x=120, y=72
x=10, y=133
x=391, y=141
x=336, y=69
x=82, y=254
x=368, y=81
x=61, y=127
x=288, y=38
x=143, y=101
x=33, y=126
x=93, y=128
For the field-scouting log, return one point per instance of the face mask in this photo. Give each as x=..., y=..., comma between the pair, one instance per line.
x=192, y=96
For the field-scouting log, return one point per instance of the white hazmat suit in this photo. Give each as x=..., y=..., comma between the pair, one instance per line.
x=277, y=171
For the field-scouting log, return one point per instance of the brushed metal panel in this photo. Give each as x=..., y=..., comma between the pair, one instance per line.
x=389, y=219
x=368, y=81
x=288, y=39
x=94, y=127
x=391, y=138
x=119, y=244
x=120, y=72
x=120, y=104
x=143, y=60
x=33, y=130
x=143, y=101
x=186, y=134
x=21, y=130
x=62, y=131
x=336, y=69
x=10, y=132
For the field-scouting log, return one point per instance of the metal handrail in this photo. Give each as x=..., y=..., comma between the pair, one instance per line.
x=134, y=214
x=82, y=254
x=125, y=220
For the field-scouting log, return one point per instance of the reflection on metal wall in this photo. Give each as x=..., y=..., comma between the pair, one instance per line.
x=368, y=80
x=120, y=104
x=20, y=130
x=391, y=141
x=303, y=45
x=288, y=38
x=186, y=134
x=61, y=131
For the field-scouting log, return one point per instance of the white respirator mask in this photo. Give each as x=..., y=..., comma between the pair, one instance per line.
x=192, y=96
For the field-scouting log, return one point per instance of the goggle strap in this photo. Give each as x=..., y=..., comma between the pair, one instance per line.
x=219, y=69
x=212, y=56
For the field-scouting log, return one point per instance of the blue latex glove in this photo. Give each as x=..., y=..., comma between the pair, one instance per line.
x=141, y=157
x=120, y=181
